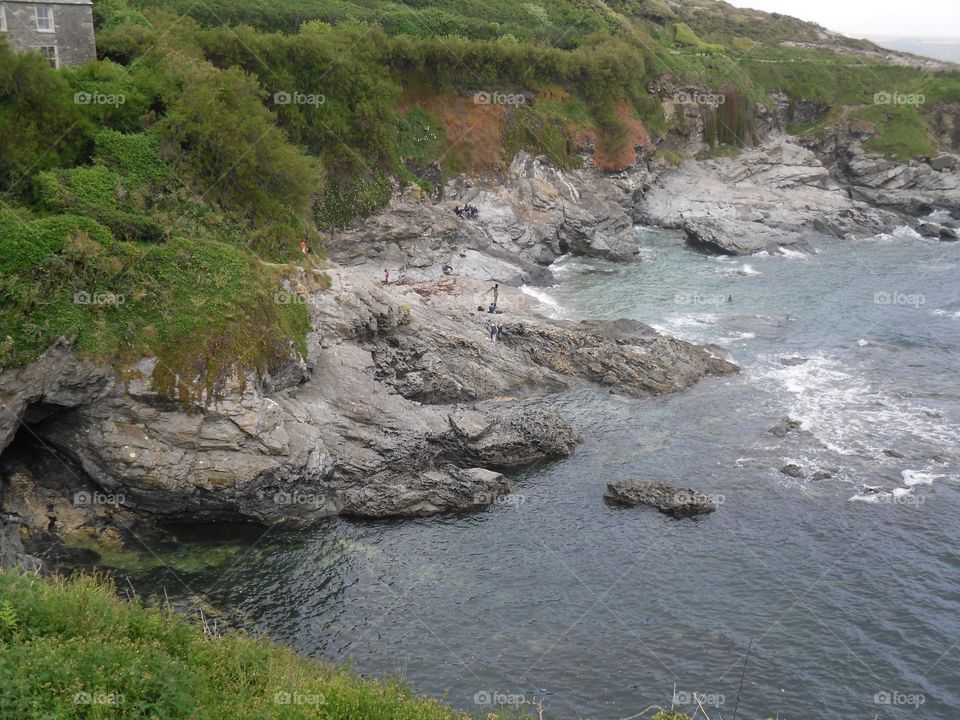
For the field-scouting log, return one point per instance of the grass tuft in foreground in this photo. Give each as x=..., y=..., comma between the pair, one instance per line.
x=71, y=649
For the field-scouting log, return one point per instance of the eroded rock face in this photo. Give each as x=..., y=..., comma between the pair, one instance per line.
x=677, y=502
x=767, y=198
x=526, y=219
x=402, y=407
x=731, y=237
x=912, y=188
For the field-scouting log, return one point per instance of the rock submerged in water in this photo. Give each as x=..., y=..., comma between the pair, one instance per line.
x=792, y=470
x=677, y=502
x=785, y=427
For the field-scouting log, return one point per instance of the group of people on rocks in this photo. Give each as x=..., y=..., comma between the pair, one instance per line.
x=495, y=327
x=467, y=212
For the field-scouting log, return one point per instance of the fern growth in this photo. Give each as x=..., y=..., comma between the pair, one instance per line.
x=8, y=620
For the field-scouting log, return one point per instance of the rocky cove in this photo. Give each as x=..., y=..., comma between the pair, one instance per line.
x=402, y=406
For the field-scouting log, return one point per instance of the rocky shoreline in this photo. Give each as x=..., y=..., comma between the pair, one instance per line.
x=402, y=405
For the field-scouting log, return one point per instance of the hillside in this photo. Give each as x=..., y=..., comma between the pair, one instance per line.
x=201, y=148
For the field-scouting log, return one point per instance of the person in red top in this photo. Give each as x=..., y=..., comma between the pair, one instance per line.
x=304, y=248
x=386, y=277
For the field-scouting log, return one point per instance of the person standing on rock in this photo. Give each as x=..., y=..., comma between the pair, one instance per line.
x=386, y=277
x=496, y=296
x=494, y=331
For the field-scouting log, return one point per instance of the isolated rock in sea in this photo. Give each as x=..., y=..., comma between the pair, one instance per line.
x=785, y=427
x=430, y=492
x=792, y=470
x=678, y=502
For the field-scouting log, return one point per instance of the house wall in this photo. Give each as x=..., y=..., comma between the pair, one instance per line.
x=73, y=31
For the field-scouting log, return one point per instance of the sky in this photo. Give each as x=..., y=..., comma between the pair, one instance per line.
x=871, y=18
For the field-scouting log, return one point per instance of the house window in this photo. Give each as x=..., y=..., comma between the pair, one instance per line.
x=3, y=19
x=44, y=18
x=50, y=53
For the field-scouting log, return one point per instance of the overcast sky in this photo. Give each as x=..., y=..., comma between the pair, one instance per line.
x=871, y=18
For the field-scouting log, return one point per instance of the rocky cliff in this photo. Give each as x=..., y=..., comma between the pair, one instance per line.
x=402, y=407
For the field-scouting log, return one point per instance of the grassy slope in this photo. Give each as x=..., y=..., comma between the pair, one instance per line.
x=711, y=44
x=61, y=640
x=70, y=649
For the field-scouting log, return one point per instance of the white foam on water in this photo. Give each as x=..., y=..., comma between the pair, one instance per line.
x=848, y=415
x=940, y=312
x=745, y=270
x=938, y=216
x=647, y=229
x=862, y=343
x=791, y=253
x=736, y=337
x=678, y=325
x=561, y=263
x=870, y=497
x=555, y=308
x=916, y=477
x=905, y=232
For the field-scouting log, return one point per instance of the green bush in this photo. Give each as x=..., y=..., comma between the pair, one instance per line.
x=201, y=306
x=135, y=156
x=340, y=204
x=41, y=126
x=219, y=134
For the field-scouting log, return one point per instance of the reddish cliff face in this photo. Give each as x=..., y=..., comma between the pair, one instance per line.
x=476, y=127
x=616, y=154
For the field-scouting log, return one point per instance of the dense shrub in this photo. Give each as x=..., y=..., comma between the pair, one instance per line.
x=40, y=124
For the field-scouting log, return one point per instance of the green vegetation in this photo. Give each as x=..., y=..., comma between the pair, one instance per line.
x=561, y=23
x=184, y=168
x=901, y=131
x=71, y=649
x=684, y=36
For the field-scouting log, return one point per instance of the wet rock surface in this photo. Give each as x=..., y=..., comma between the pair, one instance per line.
x=779, y=194
x=674, y=501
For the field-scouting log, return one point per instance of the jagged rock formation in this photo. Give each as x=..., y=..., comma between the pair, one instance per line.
x=526, y=219
x=767, y=198
x=401, y=407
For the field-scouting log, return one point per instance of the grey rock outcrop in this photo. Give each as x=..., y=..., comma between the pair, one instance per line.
x=401, y=407
x=677, y=502
x=912, y=188
x=527, y=217
x=769, y=197
x=729, y=237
